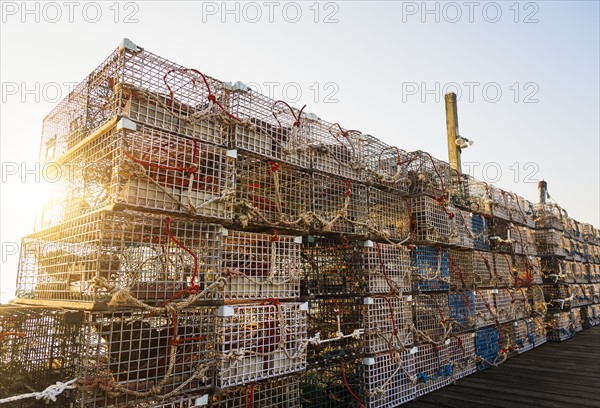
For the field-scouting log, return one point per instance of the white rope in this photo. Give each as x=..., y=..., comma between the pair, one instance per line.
x=49, y=394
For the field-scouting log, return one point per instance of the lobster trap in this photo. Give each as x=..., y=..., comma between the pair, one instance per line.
x=560, y=326
x=527, y=334
x=487, y=347
x=433, y=368
x=478, y=195
x=526, y=271
x=387, y=215
x=174, y=402
x=506, y=206
x=389, y=379
x=512, y=304
x=593, y=271
x=537, y=299
x=146, y=88
x=260, y=341
x=139, y=166
x=549, y=242
x=431, y=316
x=481, y=234
x=523, y=240
x=484, y=271
x=461, y=354
x=548, y=216
x=261, y=266
x=338, y=205
x=385, y=165
x=460, y=265
x=578, y=296
x=386, y=323
x=273, y=393
x=428, y=175
x=593, y=314
x=431, y=221
x=335, y=330
x=268, y=194
x=155, y=258
x=578, y=271
x=334, y=150
x=271, y=129
x=430, y=269
x=553, y=270
x=558, y=296
x=462, y=236
x=337, y=385
x=332, y=267
x=504, y=270
x=131, y=356
x=386, y=267
x=36, y=350
x=501, y=239
x=485, y=308
x=462, y=311
x=507, y=339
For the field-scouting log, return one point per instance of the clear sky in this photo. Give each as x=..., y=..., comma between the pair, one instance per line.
x=527, y=74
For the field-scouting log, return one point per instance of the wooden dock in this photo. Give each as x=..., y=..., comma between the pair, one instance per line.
x=554, y=375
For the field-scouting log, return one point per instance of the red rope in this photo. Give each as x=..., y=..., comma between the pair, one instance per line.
x=360, y=405
x=250, y=395
x=348, y=192
x=383, y=269
x=189, y=251
x=145, y=163
x=7, y=334
x=296, y=117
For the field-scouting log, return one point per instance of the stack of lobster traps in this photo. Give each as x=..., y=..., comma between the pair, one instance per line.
x=205, y=245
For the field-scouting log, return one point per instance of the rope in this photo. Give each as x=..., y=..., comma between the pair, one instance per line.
x=360, y=405
x=50, y=394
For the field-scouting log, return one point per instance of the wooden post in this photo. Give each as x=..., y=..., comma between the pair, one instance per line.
x=452, y=130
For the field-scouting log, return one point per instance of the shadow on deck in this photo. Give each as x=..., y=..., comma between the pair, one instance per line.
x=556, y=375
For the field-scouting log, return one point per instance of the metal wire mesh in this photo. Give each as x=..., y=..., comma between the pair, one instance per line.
x=259, y=341
x=175, y=402
x=548, y=216
x=144, y=87
x=487, y=347
x=484, y=272
x=389, y=379
x=386, y=321
x=433, y=367
x=579, y=272
x=461, y=354
x=503, y=270
x=154, y=257
x=386, y=267
x=270, y=194
x=431, y=315
x=553, y=269
x=463, y=229
x=506, y=304
x=335, y=329
x=560, y=326
x=479, y=196
x=126, y=353
x=269, y=128
x=330, y=386
x=261, y=266
x=523, y=240
x=485, y=308
x=385, y=165
x=142, y=167
x=431, y=221
x=274, y=393
x=526, y=271
x=460, y=264
x=339, y=205
x=525, y=338
x=332, y=267
x=462, y=311
x=36, y=350
x=430, y=269
x=501, y=239
x=427, y=175
x=507, y=339
x=480, y=229
x=558, y=296
x=548, y=242
x=388, y=215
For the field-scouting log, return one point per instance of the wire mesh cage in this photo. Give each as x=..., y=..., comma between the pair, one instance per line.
x=484, y=271
x=588, y=293
x=527, y=210
x=273, y=393
x=144, y=87
x=504, y=270
x=481, y=235
x=462, y=235
x=548, y=216
x=511, y=304
x=560, y=326
x=386, y=267
x=460, y=265
x=153, y=257
x=553, y=269
x=487, y=347
x=526, y=271
x=260, y=341
x=433, y=368
x=141, y=167
x=270, y=194
x=335, y=330
x=133, y=355
x=332, y=266
x=596, y=289
x=173, y=402
x=539, y=330
x=36, y=350
x=389, y=379
x=431, y=315
x=593, y=272
x=385, y=165
x=549, y=242
x=479, y=196
x=387, y=215
x=558, y=296
x=336, y=151
x=570, y=270
x=579, y=271
x=431, y=221
x=462, y=311
x=525, y=335
x=427, y=175
x=589, y=234
x=593, y=314
x=523, y=240
x=338, y=205
x=337, y=385
x=507, y=339
x=386, y=323
x=261, y=266
x=485, y=308
x=269, y=128
x=430, y=269
x=537, y=299
x=505, y=206
x=461, y=354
